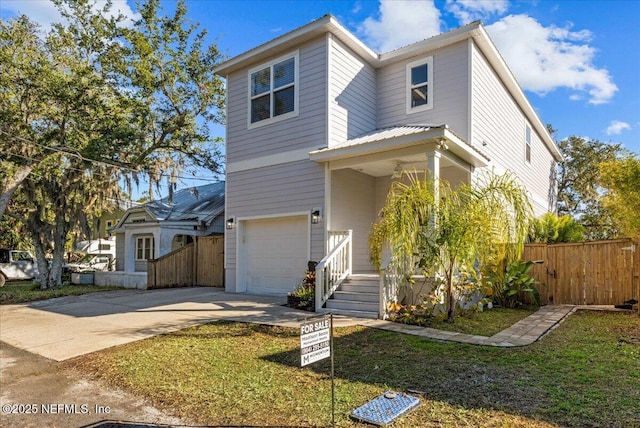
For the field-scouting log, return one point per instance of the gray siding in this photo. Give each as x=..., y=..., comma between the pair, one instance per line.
x=119, y=251
x=305, y=130
x=293, y=187
x=352, y=101
x=499, y=123
x=450, y=92
x=353, y=202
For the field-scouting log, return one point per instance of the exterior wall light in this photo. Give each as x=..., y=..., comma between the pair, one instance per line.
x=230, y=223
x=315, y=216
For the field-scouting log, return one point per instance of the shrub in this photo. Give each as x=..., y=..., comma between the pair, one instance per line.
x=552, y=229
x=303, y=297
x=513, y=286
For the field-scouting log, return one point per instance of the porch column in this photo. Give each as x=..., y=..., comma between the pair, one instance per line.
x=433, y=166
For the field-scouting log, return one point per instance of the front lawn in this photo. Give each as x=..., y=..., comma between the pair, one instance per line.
x=26, y=291
x=584, y=373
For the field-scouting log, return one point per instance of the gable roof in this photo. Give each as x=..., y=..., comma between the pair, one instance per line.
x=202, y=203
x=193, y=204
x=328, y=24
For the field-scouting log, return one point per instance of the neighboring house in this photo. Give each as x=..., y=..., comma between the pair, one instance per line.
x=159, y=227
x=101, y=227
x=318, y=126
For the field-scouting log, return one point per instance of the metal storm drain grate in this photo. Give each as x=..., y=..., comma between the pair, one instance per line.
x=385, y=408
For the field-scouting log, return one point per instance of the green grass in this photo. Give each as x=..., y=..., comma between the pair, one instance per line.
x=585, y=373
x=26, y=291
x=486, y=323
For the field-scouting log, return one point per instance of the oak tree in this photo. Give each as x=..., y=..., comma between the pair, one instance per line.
x=94, y=102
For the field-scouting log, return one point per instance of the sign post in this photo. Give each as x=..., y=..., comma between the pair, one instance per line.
x=316, y=343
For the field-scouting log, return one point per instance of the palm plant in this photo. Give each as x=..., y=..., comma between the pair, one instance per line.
x=552, y=229
x=444, y=231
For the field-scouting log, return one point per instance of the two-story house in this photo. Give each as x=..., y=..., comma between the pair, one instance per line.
x=318, y=126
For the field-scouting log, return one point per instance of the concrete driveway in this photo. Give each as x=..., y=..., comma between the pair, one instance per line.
x=67, y=327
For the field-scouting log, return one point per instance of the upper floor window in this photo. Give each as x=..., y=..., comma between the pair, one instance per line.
x=527, y=144
x=273, y=90
x=420, y=85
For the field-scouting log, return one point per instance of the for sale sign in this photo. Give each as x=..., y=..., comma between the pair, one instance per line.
x=315, y=340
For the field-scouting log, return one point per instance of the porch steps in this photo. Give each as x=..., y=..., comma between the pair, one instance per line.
x=357, y=296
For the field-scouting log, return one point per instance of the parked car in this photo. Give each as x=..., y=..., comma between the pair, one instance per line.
x=90, y=262
x=97, y=254
x=16, y=265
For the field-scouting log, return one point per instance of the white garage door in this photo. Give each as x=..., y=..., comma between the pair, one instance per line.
x=276, y=252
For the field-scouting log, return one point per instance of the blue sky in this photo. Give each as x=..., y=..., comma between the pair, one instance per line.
x=578, y=61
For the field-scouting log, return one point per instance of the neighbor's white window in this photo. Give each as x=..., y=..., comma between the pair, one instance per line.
x=420, y=85
x=144, y=248
x=527, y=144
x=273, y=90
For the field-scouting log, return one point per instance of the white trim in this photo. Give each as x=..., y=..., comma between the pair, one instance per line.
x=270, y=160
x=470, y=98
x=151, y=248
x=327, y=204
x=227, y=231
x=393, y=146
x=296, y=90
x=328, y=122
x=318, y=27
x=240, y=280
x=408, y=85
x=241, y=268
x=276, y=215
x=454, y=159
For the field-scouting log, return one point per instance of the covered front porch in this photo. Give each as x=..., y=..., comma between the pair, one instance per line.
x=358, y=176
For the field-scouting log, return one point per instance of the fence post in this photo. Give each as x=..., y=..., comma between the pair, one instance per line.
x=194, y=254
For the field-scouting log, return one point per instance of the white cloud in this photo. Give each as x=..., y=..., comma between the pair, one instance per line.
x=616, y=127
x=45, y=13
x=547, y=58
x=467, y=11
x=543, y=59
x=401, y=23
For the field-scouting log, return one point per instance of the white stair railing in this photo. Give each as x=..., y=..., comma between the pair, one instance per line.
x=393, y=276
x=334, y=268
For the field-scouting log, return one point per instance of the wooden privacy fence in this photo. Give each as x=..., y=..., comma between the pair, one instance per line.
x=587, y=273
x=198, y=263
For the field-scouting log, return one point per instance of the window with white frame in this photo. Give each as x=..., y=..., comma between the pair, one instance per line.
x=273, y=91
x=420, y=85
x=527, y=144
x=144, y=248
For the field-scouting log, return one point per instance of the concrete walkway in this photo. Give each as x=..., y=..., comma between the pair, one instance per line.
x=522, y=333
x=63, y=328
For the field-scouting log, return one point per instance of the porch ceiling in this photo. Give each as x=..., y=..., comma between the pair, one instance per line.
x=386, y=167
x=379, y=153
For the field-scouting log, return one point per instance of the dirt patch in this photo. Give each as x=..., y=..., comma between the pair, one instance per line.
x=39, y=392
